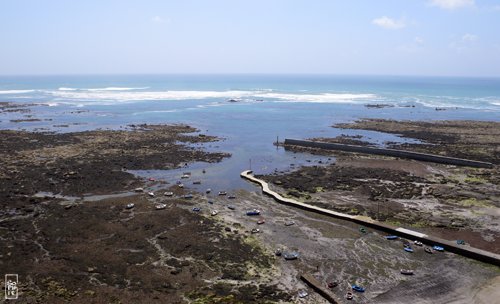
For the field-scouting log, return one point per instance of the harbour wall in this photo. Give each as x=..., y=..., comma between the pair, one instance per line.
x=389, y=152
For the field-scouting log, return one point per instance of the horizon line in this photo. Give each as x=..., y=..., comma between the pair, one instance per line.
x=246, y=74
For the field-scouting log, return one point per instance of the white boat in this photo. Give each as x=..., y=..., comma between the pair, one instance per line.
x=181, y=185
x=208, y=190
x=418, y=243
x=130, y=206
x=215, y=212
x=139, y=189
x=169, y=193
x=160, y=206
x=151, y=194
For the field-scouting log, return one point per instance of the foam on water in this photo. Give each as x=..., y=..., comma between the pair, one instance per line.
x=16, y=91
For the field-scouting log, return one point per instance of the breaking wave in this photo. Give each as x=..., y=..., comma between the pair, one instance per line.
x=115, y=94
x=16, y=91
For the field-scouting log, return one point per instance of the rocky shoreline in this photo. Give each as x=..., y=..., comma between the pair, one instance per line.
x=446, y=201
x=67, y=248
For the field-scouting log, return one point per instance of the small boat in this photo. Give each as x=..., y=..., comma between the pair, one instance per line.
x=178, y=182
x=418, y=243
x=260, y=222
x=188, y=196
x=151, y=194
x=222, y=192
x=208, y=191
x=151, y=179
x=460, y=242
x=358, y=288
x=160, y=206
x=438, y=248
x=203, y=171
x=391, y=237
x=231, y=207
x=362, y=229
x=278, y=252
x=139, y=190
x=291, y=256
x=197, y=182
x=169, y=193
x=303, y=294
x=130, y=206
x=408, y=249
x=332, y=284
x=349, y=295
x=407, y=271
x=290, y=223
x=214, y=213
x=211, y=202
x=181, y=185
x=255, y=230
x=185, y=176
x=428, y=250
x=231, y=197
x=196, y=209
x=253, y=212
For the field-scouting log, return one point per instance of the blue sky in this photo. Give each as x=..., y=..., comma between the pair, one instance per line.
x=383, y=37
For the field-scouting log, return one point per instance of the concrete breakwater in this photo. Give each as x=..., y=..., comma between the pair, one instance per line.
x=389, y=152
x=452, y=246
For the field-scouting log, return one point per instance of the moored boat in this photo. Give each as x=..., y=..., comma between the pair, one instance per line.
x=407, y=271
x=168, y=193
x=349, y=295
x=290, y=255
x=222, y=192
x=418, y=243
x=196, y=209
x=289, y=223
x=260, y=222
x=255, y=230
x=437, y=248
x=160, y=206
x=130, y=206
x=391, y=237
x=357, y=288
x=408, y=249
x=253, y=212
x=428, y=250
x=215, y=212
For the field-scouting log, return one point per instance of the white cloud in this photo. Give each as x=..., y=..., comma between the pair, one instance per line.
x=418, y=40
x=469, y=38
x=464, y=43
x=388, y=23
x=451, y=4
x=415, y=46
x=157, y=19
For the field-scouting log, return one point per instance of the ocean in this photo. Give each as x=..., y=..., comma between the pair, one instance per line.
x=249, y=112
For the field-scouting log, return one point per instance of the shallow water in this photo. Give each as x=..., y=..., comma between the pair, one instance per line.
x=268, y=107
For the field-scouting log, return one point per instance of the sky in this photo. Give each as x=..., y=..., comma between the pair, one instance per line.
x=365, y=37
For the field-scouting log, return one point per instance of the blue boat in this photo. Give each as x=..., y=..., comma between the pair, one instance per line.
x=391, y=237
x=196, y=209
x=408, y=249
x=438, y=248
x=253, y=212
x=358, y=288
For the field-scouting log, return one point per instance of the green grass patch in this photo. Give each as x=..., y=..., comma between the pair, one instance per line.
x=473, y=202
